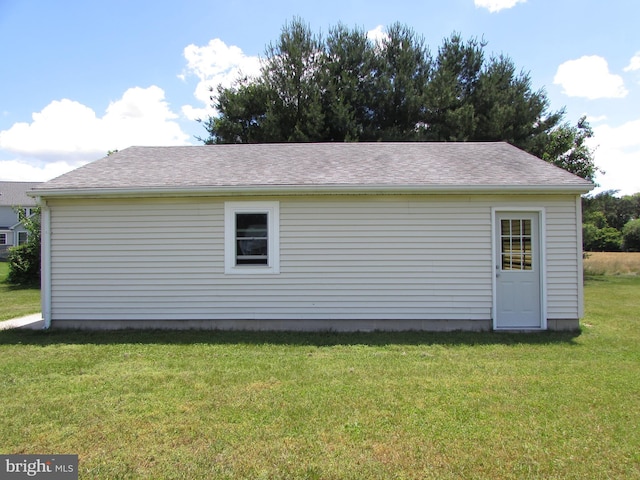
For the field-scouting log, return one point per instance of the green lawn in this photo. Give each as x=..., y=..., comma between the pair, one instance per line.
x=16, y=301
x=334, y=406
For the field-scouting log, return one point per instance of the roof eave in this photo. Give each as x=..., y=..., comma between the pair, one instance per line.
x=253, y=190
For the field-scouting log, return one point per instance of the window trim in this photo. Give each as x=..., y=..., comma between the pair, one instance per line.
x=272, y=209
x=5, y=238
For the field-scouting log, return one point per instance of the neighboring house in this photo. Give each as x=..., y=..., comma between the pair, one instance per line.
x=339, y=236
x=12, y=196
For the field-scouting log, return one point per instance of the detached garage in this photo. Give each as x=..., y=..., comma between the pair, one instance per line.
x=340, y=236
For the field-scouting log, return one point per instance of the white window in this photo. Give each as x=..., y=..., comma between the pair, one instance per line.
x=251, y=237
x=3, y=238
x=23, y=237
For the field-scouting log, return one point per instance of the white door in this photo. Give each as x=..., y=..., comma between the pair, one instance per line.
x=518, y=271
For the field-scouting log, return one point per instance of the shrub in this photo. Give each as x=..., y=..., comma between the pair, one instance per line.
x=589, y=234
x=24, y=260
x=631, y=236
x=596, y=239
x=24, y=265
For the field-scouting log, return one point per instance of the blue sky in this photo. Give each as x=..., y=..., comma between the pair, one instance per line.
x=79, y=78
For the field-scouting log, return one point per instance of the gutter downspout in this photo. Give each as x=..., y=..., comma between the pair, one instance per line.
x=45, y=265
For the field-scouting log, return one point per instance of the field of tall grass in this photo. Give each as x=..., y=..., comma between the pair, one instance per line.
x=612, y=263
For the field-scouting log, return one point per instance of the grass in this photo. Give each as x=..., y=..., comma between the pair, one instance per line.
x=612, y=263
x=16, y=301
x=334, y=406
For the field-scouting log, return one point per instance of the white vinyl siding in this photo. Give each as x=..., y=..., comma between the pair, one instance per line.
x=563, y=260
x=341, y=257
x=387, y=258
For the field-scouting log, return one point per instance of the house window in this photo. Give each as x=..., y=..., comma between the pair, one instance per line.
x=23, y=237
x=252, y=239
x=251, y=233
x=3, y=238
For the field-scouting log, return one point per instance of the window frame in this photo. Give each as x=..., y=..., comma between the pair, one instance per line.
x=21, y=233
x=4, y=238
x=272, y=210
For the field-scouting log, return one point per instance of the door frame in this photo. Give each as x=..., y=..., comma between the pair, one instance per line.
x=495, y=255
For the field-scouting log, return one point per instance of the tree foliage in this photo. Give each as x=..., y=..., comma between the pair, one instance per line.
x=566, y=148
x=610, y=223
x=348, y=79
x=631, y=236
x=452, y=98
x=605, y=239
x=402, y=68
x=24, y=260
x=347, y=87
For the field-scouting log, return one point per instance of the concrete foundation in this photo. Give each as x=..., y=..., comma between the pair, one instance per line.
x=281, y=325
x=363, y=325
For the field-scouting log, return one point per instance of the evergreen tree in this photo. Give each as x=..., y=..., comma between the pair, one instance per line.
x=451, y=111
x=566, y=148
x=243, y=110
x=292, y=73
x=348, y=88
x=402, y=71
x=348, y=85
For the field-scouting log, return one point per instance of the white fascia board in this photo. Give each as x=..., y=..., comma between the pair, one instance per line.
x=252, y=190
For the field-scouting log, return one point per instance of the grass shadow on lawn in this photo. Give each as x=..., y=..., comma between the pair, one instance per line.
x=320, y=339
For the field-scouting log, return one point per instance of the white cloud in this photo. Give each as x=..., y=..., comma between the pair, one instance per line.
x=59, y=129
x=22, y=171
x=634, y=63
x=497, y=5
x=618, y=154
x=589, y=77
x=213, y=64
x=598, y=119
x=66, y=133
x=377, y=35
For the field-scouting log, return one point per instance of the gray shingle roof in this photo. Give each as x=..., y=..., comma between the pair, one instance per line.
x=305, y=166
x=14, y=194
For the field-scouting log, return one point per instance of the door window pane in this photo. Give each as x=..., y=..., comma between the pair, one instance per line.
x=516, y=244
